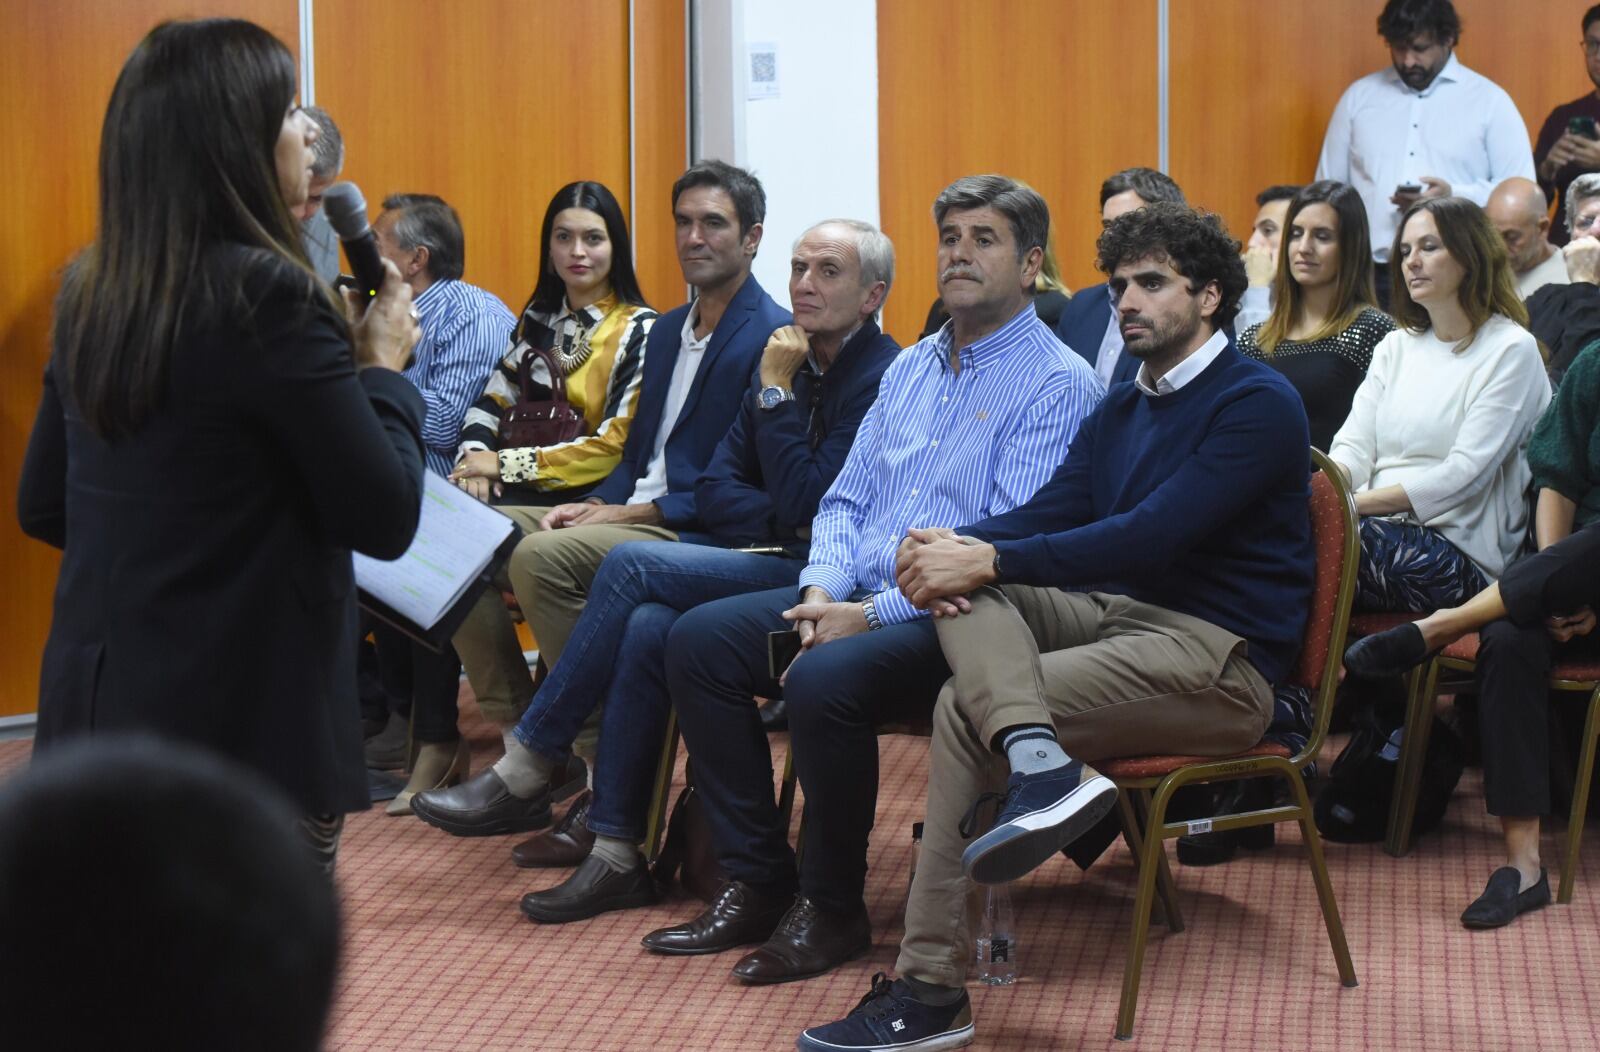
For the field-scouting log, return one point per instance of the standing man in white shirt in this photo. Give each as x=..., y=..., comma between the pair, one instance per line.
x=1428, y=127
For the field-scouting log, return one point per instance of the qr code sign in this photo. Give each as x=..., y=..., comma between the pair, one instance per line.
x=763, y=67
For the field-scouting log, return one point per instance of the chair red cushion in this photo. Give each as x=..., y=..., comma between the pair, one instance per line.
x=1157, y=766
x=1582, y=671
x=1327, y=540
x=1372, y=624
x=1463, y=649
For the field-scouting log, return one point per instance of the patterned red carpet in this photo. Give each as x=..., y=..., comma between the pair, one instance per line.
x=439, y=958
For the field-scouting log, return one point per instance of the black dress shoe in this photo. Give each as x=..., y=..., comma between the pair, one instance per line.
x=1212, y=849
x=808, y=942
x=738, y=916
x=774, y=715
x=1501, y=902
x=594, y=888
x=568, y=844
x=1387, y=653
x=482, y=806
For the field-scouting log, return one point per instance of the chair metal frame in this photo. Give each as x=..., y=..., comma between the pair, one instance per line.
x=1419, y=726
x=1143, y=800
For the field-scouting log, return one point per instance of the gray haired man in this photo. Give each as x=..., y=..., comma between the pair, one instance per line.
x=327, y=161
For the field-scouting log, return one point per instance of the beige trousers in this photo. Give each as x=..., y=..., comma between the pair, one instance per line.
x=1114, y=676
x=550, y=572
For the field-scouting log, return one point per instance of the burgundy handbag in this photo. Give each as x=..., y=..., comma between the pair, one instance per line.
x=532, y=422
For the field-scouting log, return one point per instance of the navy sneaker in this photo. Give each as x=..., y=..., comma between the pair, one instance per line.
x=1042, y=814
x=889, y=1019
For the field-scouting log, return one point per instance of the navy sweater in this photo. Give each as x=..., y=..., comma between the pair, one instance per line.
x=1195, y=501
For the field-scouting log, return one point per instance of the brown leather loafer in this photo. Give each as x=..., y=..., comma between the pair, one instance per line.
x=808, y=942
x=595, y=888
x=482, y=806
x=566, y=845
x=738, y=916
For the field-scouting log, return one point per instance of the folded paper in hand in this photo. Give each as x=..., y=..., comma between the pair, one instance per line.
x=457, y=538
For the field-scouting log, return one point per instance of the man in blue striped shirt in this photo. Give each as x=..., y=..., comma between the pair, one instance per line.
x=465, y=330
x=968, y=423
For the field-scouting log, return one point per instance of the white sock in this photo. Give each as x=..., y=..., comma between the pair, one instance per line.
x=621, y=855
x=524, y=771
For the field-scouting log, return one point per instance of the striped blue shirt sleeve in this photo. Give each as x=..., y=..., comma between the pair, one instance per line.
x=454, y=375
x=836, y=528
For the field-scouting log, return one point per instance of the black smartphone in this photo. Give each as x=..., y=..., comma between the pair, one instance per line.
x=1584, y=126
x=1408, y=188
x=782, y=649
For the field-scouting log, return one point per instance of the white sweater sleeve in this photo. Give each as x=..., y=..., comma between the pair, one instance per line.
x=1511, y=391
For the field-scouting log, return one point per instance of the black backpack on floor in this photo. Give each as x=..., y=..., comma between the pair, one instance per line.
x=1353, y=808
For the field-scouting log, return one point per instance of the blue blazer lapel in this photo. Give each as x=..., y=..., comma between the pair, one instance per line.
x=735, y=318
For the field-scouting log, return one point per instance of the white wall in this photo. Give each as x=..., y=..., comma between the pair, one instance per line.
x=814, y=146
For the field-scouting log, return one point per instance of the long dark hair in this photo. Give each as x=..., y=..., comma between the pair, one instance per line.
x=1487, y=288
x=186, y=163
x=1353, y=288
x=550, y=290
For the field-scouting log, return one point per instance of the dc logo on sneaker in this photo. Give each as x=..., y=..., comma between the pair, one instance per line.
x=897, y=1026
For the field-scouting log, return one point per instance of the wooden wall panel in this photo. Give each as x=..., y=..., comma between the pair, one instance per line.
x=1057, y=94
x=1253, y=86
x=58, y=61
x=492, y=105
x=661, y=143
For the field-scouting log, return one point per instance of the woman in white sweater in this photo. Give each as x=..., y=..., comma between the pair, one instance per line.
x=1435, y=437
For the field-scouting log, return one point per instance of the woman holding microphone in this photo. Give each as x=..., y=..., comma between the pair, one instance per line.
x=214, y=436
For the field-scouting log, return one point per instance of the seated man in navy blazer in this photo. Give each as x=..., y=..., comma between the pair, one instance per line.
x=697, y=363
x=1088, y=324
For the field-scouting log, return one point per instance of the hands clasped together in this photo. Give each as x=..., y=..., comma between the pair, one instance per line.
x=934, y=568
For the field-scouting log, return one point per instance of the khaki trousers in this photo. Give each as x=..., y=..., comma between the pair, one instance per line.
x=1114, y=676
x=550, y=572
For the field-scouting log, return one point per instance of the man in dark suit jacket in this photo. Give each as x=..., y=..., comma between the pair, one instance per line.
x=1088, y=324
x=697, y=363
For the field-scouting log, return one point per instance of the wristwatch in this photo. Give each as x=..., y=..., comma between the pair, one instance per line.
x=770, y=398
x=996, y=564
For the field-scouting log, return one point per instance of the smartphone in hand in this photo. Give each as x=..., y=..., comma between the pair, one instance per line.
x=782, y=649
x=1584, y=126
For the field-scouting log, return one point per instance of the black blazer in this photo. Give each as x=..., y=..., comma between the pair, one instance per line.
x=770, y=472
x=206, y=588
x=1083, y=325
x=730, y=357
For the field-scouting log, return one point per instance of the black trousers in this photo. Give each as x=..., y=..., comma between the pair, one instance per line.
x=837, y=695
x=1514, y=662
x=430, y=681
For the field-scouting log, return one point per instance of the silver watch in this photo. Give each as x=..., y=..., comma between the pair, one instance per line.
x=772, y=397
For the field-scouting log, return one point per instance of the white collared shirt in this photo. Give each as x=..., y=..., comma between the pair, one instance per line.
x=1462, y=128
x=1184, y=371
x=1105, y=363
x=691, y=352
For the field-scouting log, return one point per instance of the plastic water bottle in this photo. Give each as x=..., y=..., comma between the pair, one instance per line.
x=997, y=939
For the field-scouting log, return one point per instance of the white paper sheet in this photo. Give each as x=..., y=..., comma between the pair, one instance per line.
x=456, y=538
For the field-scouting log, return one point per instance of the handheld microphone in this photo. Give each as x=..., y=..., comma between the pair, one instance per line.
x=347, y=214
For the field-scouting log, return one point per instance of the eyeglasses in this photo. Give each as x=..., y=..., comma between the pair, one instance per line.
x=1591, y=47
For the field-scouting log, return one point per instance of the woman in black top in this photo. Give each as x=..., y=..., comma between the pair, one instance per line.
x=1324, y=322
x=214, y=437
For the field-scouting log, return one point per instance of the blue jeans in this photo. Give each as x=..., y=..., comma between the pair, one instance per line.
x=616, y=656
x=837, y=695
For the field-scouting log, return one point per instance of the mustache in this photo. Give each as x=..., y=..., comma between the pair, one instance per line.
x=958, y=271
